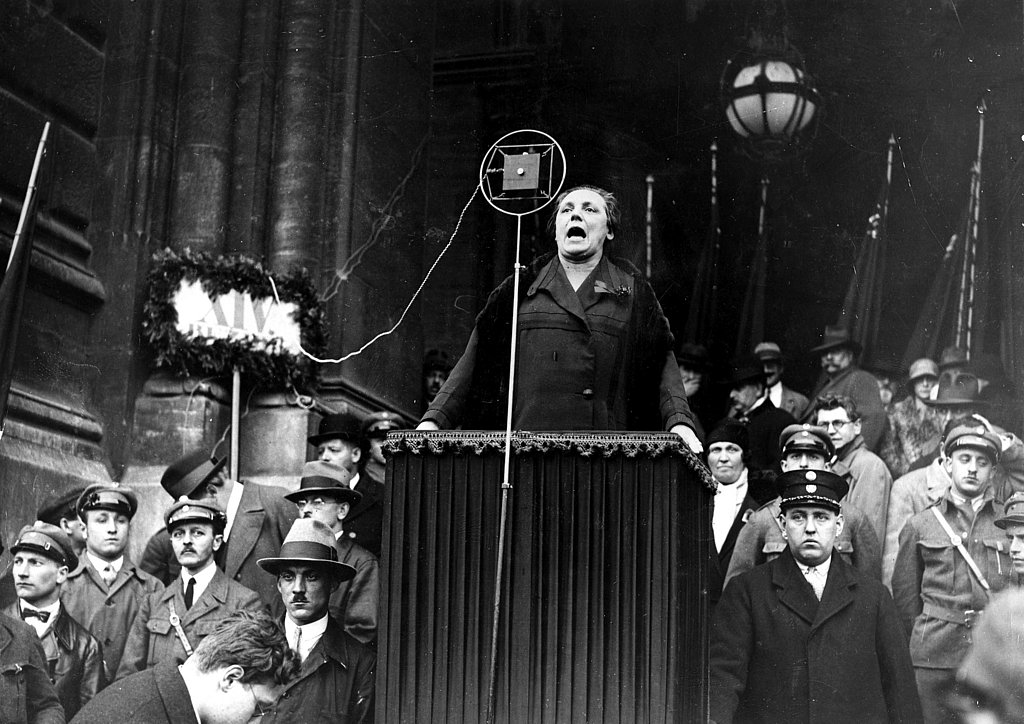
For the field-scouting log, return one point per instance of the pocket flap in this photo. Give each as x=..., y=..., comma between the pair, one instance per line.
x=158, y=626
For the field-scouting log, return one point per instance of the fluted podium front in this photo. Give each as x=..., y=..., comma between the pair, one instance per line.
x=603, y=613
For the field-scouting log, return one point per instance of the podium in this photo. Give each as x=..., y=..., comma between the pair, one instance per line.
x=603, y=614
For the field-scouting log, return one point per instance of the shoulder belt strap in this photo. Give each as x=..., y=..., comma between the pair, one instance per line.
x=959, y=543
x=176, y=622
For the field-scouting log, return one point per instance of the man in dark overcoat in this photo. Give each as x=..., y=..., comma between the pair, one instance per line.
x=807, y=637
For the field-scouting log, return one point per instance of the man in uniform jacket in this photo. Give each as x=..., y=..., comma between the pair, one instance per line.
x=196, y=602
x=337, y=678
x=26, y=694
x=843, y=378
x=807, y=637
x=340, y=441
x=324, y=495
x=234, y=676
x=943, y=578
x=43, y=555
x=761, y=540
x=106, y=590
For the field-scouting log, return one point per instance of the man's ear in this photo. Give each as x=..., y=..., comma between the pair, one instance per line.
x=357, y=454
x=218, y=541
x=229, y=676
x=840, y=523
x=856, y=426
x=343, y=509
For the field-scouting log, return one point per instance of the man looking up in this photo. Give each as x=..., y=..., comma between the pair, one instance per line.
x=843, y=378
x=105, y=593
x=804, y=447
x=43, y=556
x=807, y=637
x=338, y=673
x=172, y=622
x=869, y=479
x=324, y=496
x=951, y=558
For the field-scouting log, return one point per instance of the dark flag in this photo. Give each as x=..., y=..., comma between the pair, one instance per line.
x=700, y=320
x=751, y=326
x=12, y=290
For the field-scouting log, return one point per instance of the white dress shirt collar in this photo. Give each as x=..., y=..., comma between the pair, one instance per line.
x=311, y=634
x=41, y=628
x=203, y=579
x=99, y=564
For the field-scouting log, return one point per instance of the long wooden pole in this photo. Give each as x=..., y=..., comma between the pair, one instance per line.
x=30, y=193
x=236, y=416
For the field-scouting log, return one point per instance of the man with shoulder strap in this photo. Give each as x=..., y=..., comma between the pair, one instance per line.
x=952, y=558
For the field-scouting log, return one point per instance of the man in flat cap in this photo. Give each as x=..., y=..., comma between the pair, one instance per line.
x=324, y=495
x=43, y=557
x=843, y=377
x=773, y=363
x=951, y=558
x=183, y=477
x=340, y=441
x=105, y=592
x=804, y=447
x=1013, y=523
x=338, y=674
x=808, y=637
x=172, y=622
x=915, y=427
x=750, y=405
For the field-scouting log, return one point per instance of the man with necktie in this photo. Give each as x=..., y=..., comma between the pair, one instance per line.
x=172, y=622
x=807, y=637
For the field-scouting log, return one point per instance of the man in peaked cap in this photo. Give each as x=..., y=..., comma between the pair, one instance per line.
x=376, y=427
x=804, y=447
x=338, y=673
x=951, y=558
x=339, y=440
x=750, y=405
x=43, y=557
x=324, y=495
x=773, y=363
x=838, y=352
x=1013, y=523
x=773, y=641
x=182, y=477
x=915, y=427
x=171, y=623
x=104, y=593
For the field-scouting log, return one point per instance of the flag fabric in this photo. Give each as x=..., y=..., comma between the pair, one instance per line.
x=701, y=317
x=751, y=324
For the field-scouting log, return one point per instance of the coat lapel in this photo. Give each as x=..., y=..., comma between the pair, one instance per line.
x=246, y=529
x=795, y=593
x=554, y=281
x=213, y=597
x=371, y=491
x=838, y=593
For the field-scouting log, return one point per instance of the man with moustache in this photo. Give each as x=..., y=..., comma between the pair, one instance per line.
x=951, y=558
x=43, y=556
x=770, y=356
x=105, y=592
x=807, y=637
x=338, y=674
x=172, y=622
x=324, y=496
x=751, y=405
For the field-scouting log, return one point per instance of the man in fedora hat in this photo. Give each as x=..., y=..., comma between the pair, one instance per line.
x=694, y=364
x=43, y=557
x=915, y=427
x=843, y=377
x=808, y=637
x=436, y=368
x=170, y=623
x=750, y=405
x=182, y=477
x=951, y=558
x=105, y=592
x=339, y=440
x=770, y=356
x=804, y=447
x=324, y=495
x=338, y=673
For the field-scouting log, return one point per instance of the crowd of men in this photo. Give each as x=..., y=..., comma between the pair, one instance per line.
x=859, y=544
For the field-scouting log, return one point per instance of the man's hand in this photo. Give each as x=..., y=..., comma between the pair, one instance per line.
x=428, y=425
x=689, y=437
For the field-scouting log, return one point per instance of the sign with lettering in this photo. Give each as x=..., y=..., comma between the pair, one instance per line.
x=236, y=315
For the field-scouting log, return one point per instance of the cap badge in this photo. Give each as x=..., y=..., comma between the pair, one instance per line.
x=810, y=475
x=811, y=488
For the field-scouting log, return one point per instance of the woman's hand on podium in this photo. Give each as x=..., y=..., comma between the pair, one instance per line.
x=688, y=436
x=428, y=425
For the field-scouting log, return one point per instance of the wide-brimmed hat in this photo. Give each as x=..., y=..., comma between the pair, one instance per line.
x=836, y=337
x=309, y=542
x=812, y=487
x=115, y=498
x=960, y=390
x=340, y=426
x=748, y=370
x=923, y=367
x=694, y=357
x=952, y=357
x=1013, y=511
x=187, y=510
x=47, y=540
x=184, y=476
x=320, y=478
x=60, y=506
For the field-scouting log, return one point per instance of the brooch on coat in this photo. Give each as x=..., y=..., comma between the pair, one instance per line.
x=620, y=292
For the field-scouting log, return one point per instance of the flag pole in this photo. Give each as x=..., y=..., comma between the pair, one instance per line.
x=30, y=193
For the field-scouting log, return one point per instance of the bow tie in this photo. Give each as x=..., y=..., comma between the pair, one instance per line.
x=43, y=616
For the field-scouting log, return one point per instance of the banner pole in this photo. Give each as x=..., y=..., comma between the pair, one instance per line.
x=236, y=395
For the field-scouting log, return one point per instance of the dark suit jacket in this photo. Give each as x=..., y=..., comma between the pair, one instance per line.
x=26, y=694
x=153, y=696
x=152, y=638
x=261, y=523
x=764, y=425
x=365, y=521
x=780, y=655
x=77, y=673
x=354, y=603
